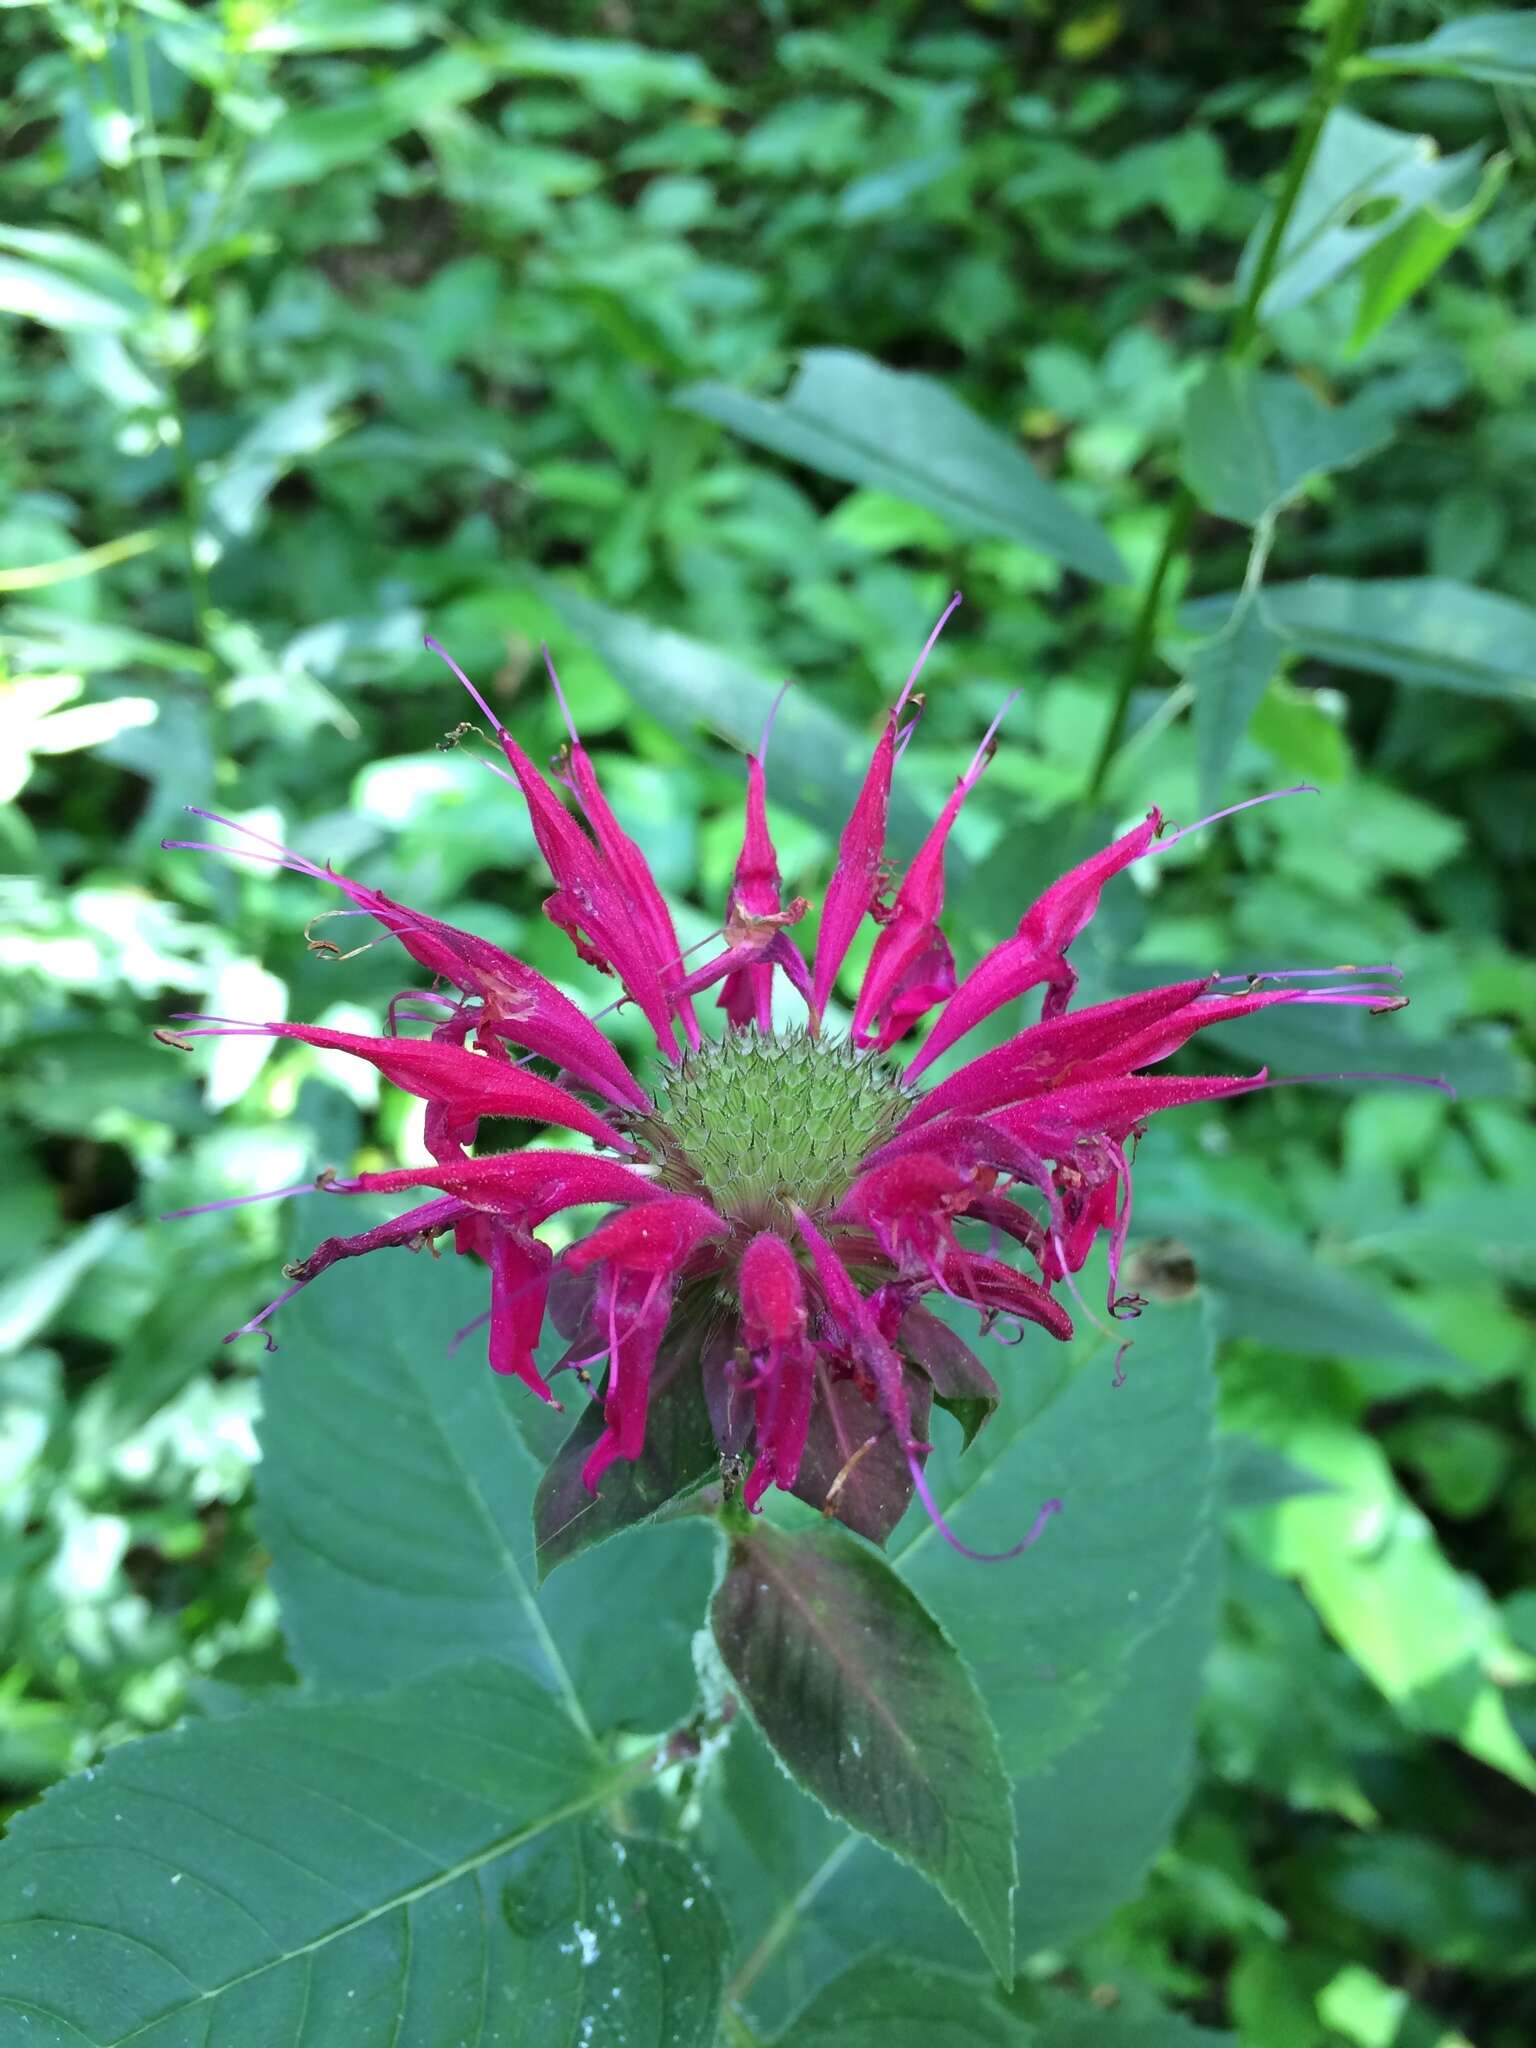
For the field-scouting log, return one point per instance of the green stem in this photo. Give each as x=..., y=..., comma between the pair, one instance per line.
x=787, y=1918
x=737, y=2034
x=1343, y=33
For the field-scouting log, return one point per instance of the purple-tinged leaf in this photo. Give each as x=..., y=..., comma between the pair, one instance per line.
x=871, y=1709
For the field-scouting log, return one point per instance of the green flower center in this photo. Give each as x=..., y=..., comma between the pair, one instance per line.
x=761, y=1123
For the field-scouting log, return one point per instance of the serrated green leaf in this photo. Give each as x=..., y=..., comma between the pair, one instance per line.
x=850, y=417
x=1091, y=1823
x=1048, y=1636
x=1415, y=629
x=416, y=1870
x=867, y=1703
x=396, y=1499
x=887, y=2001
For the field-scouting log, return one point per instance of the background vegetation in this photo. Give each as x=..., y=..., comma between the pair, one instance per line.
x=336, y=323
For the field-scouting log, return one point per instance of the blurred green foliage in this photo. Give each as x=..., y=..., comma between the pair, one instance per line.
x=708, y=343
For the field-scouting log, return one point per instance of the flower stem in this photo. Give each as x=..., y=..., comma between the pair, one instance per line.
x=1327, y=84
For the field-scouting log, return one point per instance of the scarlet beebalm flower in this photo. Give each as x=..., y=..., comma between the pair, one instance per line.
x=782, y=1200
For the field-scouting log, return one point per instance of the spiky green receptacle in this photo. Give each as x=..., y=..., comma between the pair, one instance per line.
x=762, y=1123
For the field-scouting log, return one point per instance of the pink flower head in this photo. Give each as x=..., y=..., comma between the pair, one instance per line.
x=785, y=1199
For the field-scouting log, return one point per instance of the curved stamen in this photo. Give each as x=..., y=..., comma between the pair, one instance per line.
x=1386, y=967
x=436, y=647
x=254, y=1325
x=773, y=712
x=1446, y=1088
x=565, y=709
x=468, y=1330
x=935, y=1515
x=1248, y=803
x=917, y=666
x=303, y=1187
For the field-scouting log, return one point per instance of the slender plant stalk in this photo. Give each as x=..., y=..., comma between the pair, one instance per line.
x=1344, y=33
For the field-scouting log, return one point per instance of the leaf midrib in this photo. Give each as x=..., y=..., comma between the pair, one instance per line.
x=817, y=1628
x=465, y=1867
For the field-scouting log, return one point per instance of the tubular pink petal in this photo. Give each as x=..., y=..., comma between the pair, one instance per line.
x=1037, y=951
x=772, y=1292
x=911, y=967
x=1116, y=1104
x=850, y=1310
x=520, y=1270
x=1041, y=1056
x=463, y=1082
x=855, y=882
x=635, y=885
x=659, y=1236
x=532, y=1185
x=589, y=903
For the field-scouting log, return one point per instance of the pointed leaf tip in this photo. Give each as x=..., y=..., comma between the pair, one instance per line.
x=872, y=1710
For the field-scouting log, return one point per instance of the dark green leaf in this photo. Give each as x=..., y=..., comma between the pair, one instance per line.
x=1254, y=1476
x=1108, y=1565
x=1091, y=1823
x=868, y=1704
x=396, y=1499
x=1072, y=2023
x=413, y=1869
x=1415, y=629
x=850, y=417
x=1282, y=1293
x=887, y=2001
x=1253, y=441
